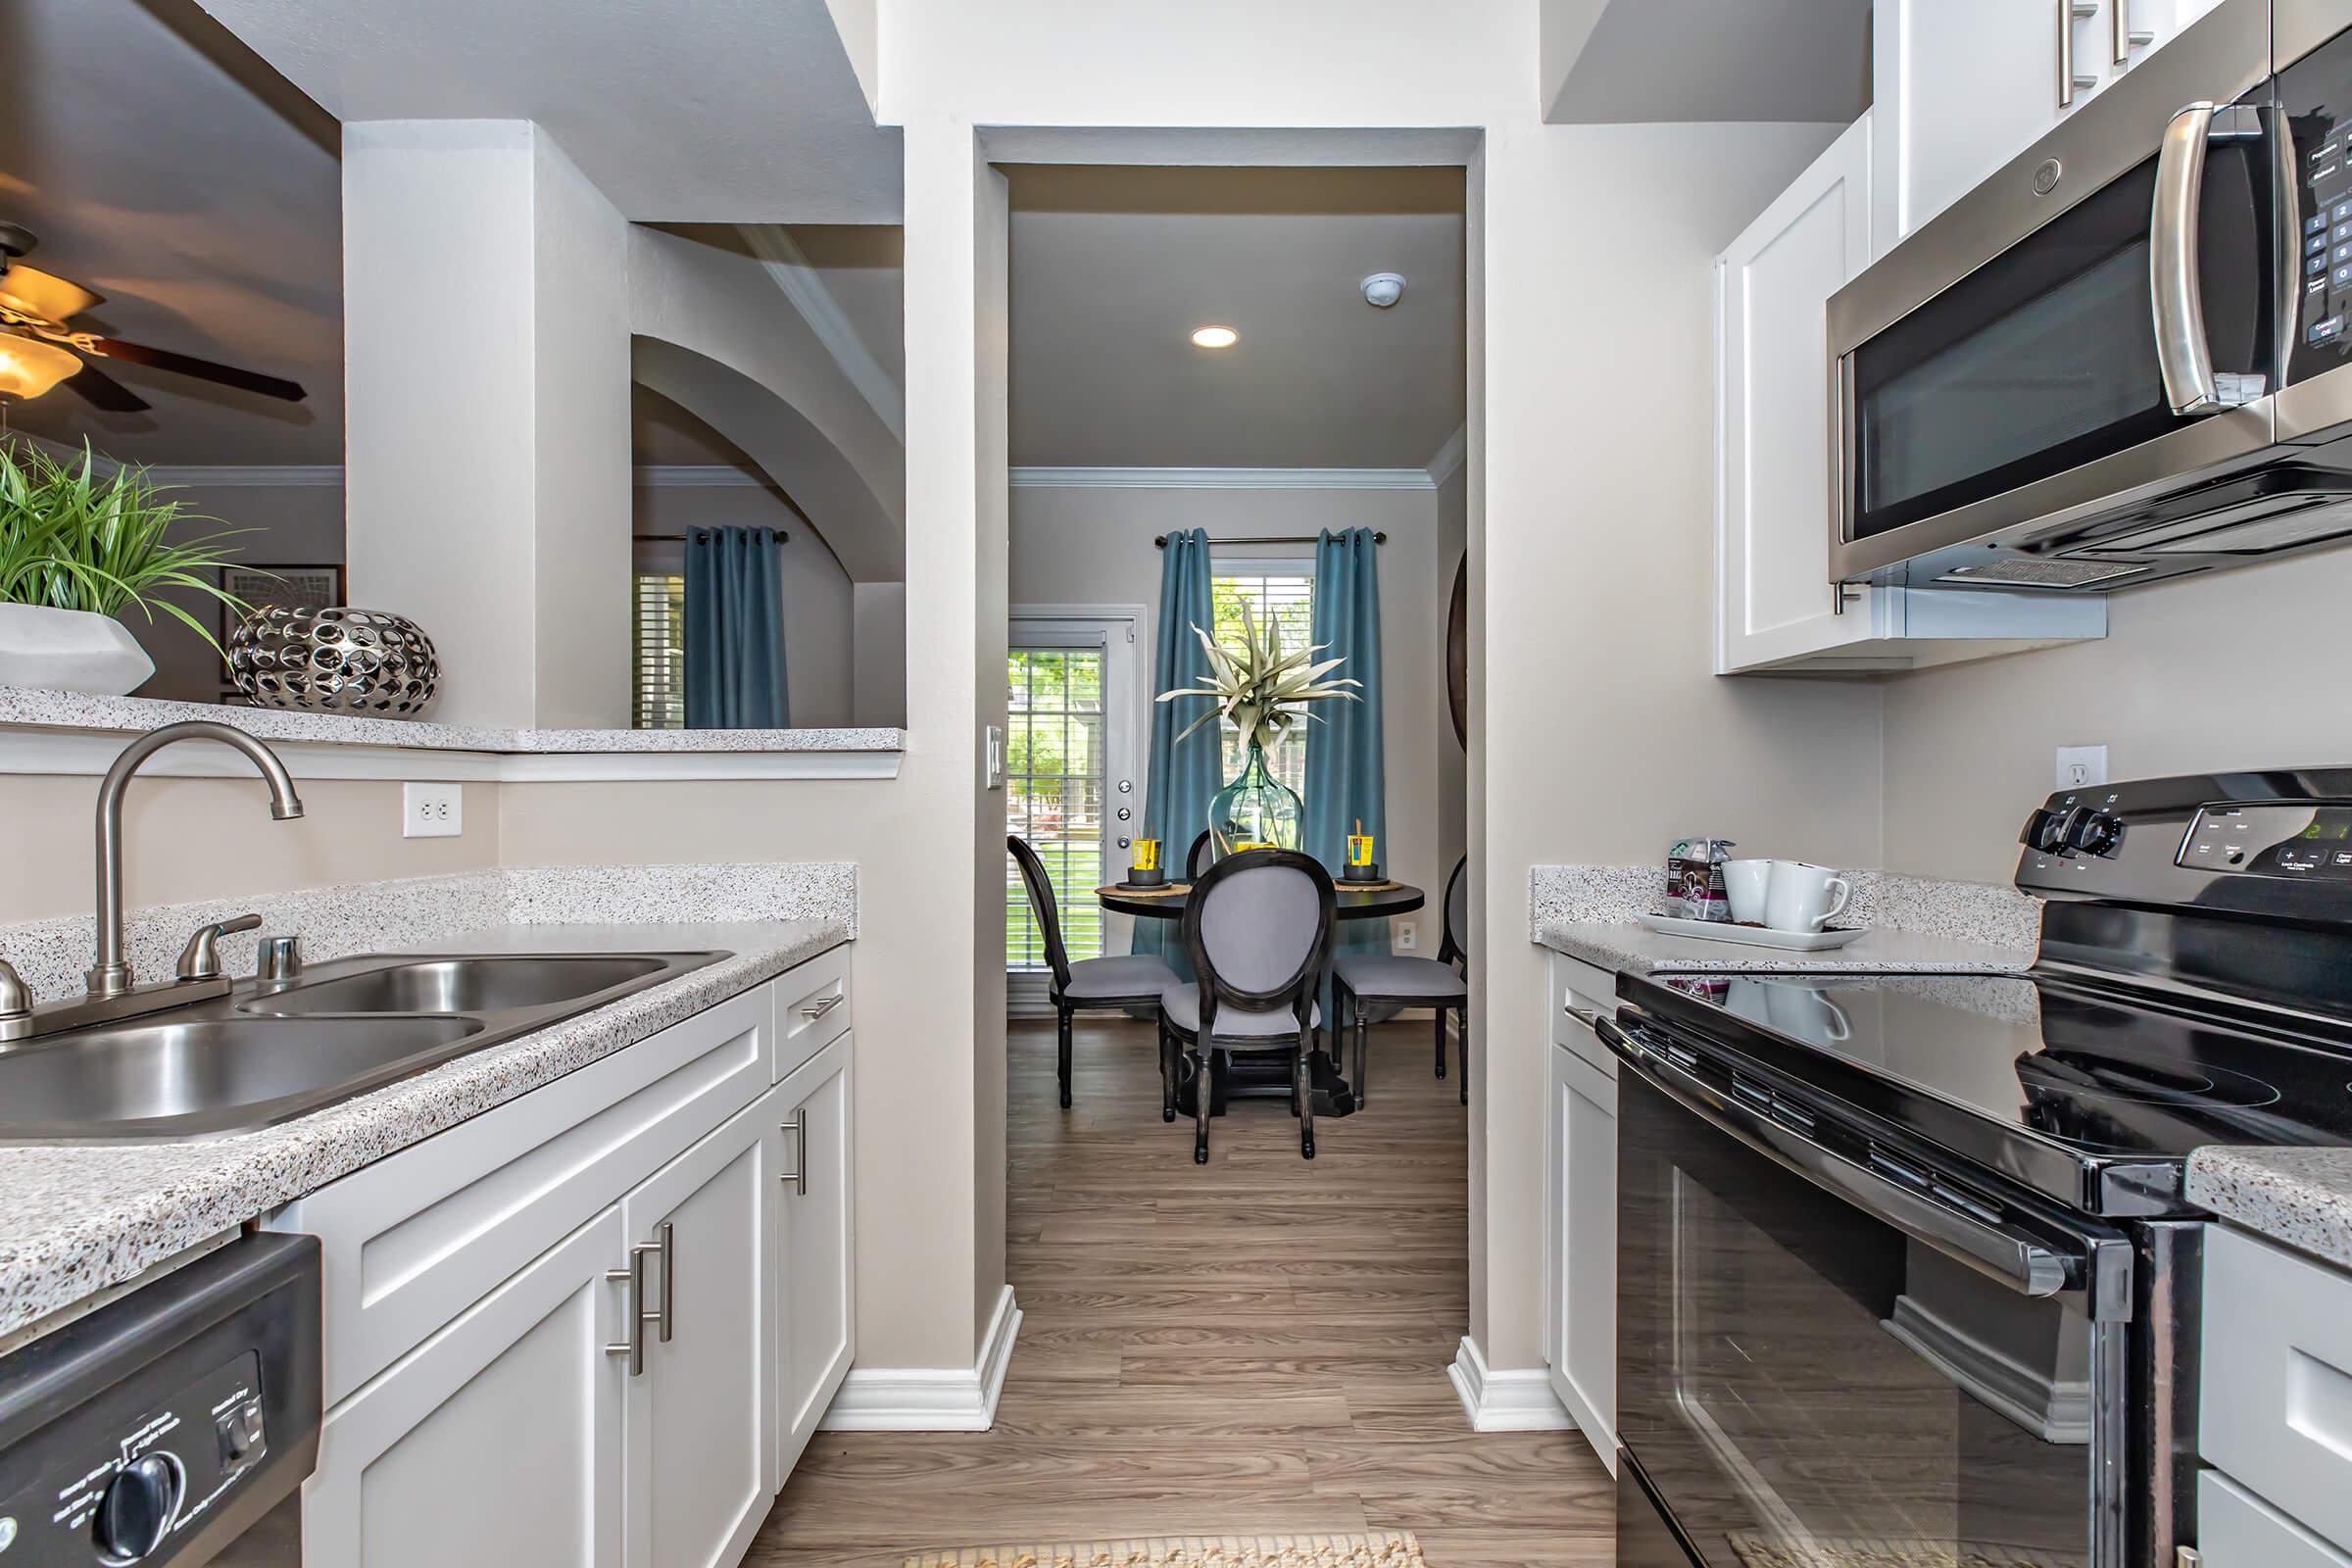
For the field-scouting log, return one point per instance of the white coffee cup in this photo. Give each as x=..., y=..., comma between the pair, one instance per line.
x=1745, y=884
x=1801, y=897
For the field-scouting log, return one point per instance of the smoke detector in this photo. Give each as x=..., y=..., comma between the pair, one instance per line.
x=1383, y=289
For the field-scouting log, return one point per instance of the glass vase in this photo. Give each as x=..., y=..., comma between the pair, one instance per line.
x=1255, y=811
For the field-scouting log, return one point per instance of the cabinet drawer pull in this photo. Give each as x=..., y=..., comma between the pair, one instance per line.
x=634, y=1345
x=797, y=1176
x=2070, y=80
x=818, y=1009
x=666, y=1245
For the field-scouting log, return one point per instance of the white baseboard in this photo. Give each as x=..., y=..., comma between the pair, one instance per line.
x=925, y=1399
x=1514, y=1400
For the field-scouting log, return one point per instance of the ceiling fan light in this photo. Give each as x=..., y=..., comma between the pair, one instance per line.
x=29, y=366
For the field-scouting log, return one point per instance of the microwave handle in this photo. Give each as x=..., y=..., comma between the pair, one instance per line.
x=2182, y=354
x=2020, y=1262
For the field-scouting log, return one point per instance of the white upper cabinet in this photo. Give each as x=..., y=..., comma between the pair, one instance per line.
x=1961, y=88
x=1775, y=606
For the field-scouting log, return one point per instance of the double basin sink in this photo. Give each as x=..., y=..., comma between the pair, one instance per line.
x=257, y=1057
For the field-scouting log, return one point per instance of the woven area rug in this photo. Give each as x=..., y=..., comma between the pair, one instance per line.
x=1380, y=1549
x=1833, y=1552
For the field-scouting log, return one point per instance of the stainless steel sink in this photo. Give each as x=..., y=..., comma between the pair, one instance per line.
x=252, y=1058
x=462, y=985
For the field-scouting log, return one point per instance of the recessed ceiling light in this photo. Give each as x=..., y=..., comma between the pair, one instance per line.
x=1215, y=338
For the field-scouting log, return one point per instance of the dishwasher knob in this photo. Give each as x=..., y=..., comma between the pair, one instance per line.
x=241, y=1432
x=137, y=1508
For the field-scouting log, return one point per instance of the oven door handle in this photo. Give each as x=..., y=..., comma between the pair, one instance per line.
x=2020, y=1262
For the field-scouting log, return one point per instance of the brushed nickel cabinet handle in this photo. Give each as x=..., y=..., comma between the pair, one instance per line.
x=666, y=1245
x=797, y=1176
x=2127, y=36
x=2070, y=83
x=634, y=1345
x=818, y=1009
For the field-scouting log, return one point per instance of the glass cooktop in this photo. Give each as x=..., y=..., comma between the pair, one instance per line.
x=2065, y=1087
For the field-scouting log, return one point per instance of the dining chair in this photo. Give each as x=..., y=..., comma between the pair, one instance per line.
x=1195, y=859
x=1257, y=927
x=1090, y=983
x=1396, y=980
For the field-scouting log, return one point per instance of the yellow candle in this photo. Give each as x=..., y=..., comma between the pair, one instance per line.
x=1359, y=848
x=1147, y=855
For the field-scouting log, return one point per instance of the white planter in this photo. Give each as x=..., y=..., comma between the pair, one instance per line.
x=70, y=650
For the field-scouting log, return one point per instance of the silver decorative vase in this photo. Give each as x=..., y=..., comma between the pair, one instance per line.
x=365, y=662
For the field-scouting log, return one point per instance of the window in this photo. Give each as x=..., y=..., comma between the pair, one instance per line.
x=657, y=679
x=1054, y=785
x=1282, y=592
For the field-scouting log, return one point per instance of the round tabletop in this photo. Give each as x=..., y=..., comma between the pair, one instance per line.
x=1352, y=903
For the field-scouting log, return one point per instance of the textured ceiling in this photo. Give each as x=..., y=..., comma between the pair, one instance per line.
x=1113, y=269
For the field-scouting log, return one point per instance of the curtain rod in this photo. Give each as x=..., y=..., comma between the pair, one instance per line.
x=781, y=536
x=1161, y=541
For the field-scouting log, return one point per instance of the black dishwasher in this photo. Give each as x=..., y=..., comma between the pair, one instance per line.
x=174, y=1425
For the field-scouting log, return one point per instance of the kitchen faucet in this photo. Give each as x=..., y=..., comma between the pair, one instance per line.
x=111, y=992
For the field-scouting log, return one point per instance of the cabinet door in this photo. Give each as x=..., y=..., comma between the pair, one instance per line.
x=1774, y=283
x=815, y=1318
x=1961, y=90
x=494, y=1444
x=700, y=1417
x=1580, y=1136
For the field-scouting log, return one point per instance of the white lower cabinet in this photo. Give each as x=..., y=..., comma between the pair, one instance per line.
x=516, y=1399
x=701, y=1439
x=814, y=1259
x=518, y=1429
x=1580, y=1225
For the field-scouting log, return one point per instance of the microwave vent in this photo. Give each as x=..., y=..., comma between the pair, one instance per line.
x=2283, y=522
x=2042, y=573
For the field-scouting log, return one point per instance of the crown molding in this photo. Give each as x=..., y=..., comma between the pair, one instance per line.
x=1045, y=478
x=1449, y=458
x=248, y=475
x=804, y=287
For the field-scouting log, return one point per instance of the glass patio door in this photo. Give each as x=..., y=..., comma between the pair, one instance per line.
x=1070, y=787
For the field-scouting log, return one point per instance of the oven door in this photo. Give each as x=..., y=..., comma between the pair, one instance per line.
x=2098, y=318
x=1819, y=1364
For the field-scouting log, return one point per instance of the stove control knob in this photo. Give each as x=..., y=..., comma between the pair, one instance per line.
x=2093, y=832
x=2043, y=831
x=135, y=1510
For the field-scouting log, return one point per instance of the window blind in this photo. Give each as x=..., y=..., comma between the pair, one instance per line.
x=658, y=689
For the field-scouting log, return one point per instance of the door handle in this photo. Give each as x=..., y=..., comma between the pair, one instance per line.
x=634, y=1345
x=2069, y=81
x=818, y=1009
x=797, y=1176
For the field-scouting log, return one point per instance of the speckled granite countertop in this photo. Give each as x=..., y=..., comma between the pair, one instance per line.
x=1915, y=924
x=74, y=1220
x=49, y=710
x=2301, y=1196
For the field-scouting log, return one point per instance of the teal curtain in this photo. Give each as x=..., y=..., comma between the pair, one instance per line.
x=1182, y=774
x=735, y=630
x=1345, y=783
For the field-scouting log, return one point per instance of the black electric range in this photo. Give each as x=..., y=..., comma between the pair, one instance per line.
x=1907, y=1257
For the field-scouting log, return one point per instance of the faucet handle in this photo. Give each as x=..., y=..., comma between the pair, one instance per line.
x=200, y=960
x=280, y=959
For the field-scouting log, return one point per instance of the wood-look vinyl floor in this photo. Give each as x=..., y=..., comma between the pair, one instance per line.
x=1254, y=1344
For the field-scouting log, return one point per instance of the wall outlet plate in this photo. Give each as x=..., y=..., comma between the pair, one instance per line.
x=992, y=758
x=2082, y=766
x=1409, y=936
x=432, y=810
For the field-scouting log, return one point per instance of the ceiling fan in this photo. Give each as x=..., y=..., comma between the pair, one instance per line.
x=39, y=350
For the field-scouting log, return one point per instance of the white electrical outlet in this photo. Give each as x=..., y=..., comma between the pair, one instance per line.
x=432, y=810
x=2082, y=766
x=1409, y=936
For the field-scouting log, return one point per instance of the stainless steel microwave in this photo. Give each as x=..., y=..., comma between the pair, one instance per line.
x=2128, y=355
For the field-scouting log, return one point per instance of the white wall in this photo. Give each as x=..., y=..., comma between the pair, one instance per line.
x=2236, y=670
x=487, y=446
x=878, y=618
x=818, y=635
x=1093, y=547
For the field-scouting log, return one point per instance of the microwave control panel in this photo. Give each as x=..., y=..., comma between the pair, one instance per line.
x=2315, y=102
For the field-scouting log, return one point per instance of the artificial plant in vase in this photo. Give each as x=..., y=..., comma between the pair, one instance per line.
x=78, y=549
x=1262, y=690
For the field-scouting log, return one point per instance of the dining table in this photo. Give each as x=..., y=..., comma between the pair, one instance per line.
x=1266, y=1075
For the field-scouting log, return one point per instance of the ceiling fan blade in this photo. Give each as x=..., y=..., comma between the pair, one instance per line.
x=29, y=291
x=103, y=392
x=269, y=386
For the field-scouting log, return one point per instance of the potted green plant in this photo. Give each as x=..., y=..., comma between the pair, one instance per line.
x=1262, y=690
x=78, y=549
